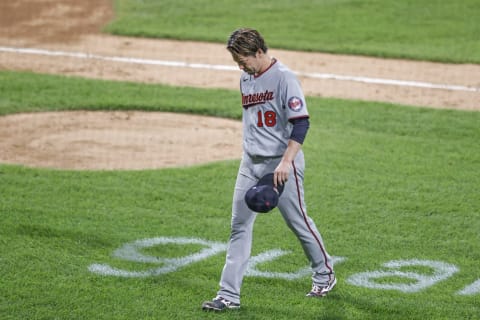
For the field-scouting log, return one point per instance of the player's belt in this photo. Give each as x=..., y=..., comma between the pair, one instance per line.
x=262, y=158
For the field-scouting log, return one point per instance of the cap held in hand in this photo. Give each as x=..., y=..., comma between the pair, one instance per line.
x=263, y=196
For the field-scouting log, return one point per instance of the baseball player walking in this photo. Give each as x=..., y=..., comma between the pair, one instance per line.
x=275, y=124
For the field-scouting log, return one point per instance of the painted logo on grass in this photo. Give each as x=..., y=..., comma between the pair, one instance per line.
x=399, y=275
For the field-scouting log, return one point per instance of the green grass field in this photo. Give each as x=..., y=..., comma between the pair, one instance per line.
x=394, y=189
x=384, y=183
x=436, y=30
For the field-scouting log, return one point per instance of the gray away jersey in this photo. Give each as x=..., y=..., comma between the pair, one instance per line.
x=269, y=101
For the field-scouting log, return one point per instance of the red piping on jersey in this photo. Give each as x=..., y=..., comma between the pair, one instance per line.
x=308, y=225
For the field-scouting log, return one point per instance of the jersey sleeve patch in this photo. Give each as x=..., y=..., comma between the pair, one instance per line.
x=295, y=104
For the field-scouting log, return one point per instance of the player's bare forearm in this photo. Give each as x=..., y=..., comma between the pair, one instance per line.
x=291, y=152
x=281, y=173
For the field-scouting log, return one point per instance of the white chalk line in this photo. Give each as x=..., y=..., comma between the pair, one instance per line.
x=180, y=64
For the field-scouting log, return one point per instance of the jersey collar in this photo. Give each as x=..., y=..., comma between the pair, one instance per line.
x=271, y=64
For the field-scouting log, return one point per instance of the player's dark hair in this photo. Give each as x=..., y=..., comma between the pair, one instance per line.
x=246, y=42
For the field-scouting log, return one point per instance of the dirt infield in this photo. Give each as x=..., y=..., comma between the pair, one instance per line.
x=73, y=26
x=117, y=140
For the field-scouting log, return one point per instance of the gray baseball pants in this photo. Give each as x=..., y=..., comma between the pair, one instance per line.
x=292, y=207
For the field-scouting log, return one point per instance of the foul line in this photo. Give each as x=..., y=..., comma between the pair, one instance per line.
x=180, y=64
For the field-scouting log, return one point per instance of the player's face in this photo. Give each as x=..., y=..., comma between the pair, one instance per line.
x=249, y=64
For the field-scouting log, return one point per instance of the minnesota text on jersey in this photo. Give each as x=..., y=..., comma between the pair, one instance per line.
x=249, y=100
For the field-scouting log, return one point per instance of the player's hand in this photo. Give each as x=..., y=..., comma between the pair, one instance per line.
x=281, y=173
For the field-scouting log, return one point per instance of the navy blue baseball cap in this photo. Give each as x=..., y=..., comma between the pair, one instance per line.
x=263, y=196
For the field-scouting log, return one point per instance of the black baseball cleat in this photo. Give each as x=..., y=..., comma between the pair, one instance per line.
x=219, y=304
x=321, y=291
